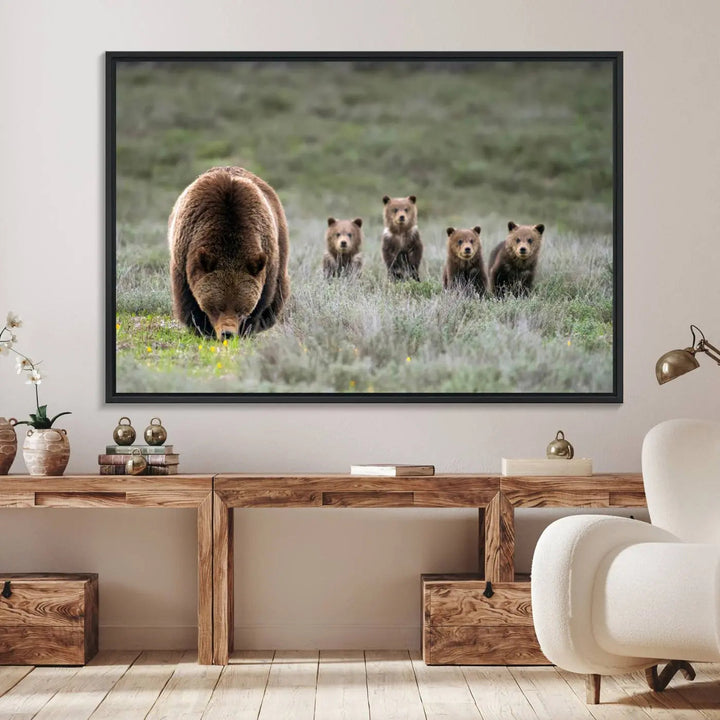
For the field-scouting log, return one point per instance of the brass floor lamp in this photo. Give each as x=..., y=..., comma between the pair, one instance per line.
x=677, y=362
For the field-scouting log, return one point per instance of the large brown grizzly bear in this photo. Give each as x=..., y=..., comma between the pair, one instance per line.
x=402, y=248
x=513, y=262
x=228, y=254
x=343, y=239
x=465, y=268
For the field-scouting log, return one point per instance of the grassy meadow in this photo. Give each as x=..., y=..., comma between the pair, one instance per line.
x=478, y=144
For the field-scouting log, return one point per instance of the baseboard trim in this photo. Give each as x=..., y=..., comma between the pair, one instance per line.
x=328, y=637
x=118, y=637
x=263, y=637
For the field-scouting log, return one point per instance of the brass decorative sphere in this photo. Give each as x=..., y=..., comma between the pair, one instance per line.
x=560, y=448
x=124, y=433
x=136, y=464
x=155, y=433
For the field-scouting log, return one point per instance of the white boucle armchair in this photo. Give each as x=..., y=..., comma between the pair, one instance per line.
x=613, y=595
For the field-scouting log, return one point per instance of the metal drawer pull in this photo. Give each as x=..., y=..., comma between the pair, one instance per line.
x=6, y=591
x=488, y=592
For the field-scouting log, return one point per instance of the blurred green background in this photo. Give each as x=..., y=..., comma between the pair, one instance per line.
x=477, y=142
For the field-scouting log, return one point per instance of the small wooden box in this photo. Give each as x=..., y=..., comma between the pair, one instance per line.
x=48, y=618
x=461, y=626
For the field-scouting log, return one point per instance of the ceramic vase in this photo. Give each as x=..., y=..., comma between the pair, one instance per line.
x=8, y=445
x=46, y=452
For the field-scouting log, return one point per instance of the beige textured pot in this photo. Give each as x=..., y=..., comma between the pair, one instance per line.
x=8, y=444
x=46, y=452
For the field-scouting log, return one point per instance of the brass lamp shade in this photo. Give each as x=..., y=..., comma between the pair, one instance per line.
x=675, y=363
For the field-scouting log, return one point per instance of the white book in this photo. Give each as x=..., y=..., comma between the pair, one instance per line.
x=392, y=470
x=549, y=467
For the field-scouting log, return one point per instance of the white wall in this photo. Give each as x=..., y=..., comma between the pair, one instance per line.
x=319, y=578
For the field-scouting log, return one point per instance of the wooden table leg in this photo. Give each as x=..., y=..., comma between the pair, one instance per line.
x=205, y=580
x=500, y=540
x=223, y=575
x=481, y=541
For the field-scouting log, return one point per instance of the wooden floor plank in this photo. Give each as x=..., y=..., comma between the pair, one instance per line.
x=138, y=689
x=615, y=702
x=444, y=691
x=667, y=705
x=342, y=686
x=548, y=694
x=11, y=675
x=239, y=692
x=704, y=692
x=290, y=691
x=188, y=692
x=497, y=693
x=85, y=690
x=30, y=695
x=392, y=687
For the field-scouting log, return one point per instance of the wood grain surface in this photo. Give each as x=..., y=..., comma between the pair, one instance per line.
x=43, y=602
x=457, y=604
x=205, y=580
x=42, y=645
x=223, y=578
x=499, y=540
x=475, y=645
x=49, y=619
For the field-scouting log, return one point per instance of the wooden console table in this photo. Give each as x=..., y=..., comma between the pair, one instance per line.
x=495, y=497
x=124, y=491
x=215, y=497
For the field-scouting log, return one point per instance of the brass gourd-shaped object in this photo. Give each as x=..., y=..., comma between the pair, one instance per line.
x=124, y=433
x=560, y=448
x=136, y=464
x=155, y=433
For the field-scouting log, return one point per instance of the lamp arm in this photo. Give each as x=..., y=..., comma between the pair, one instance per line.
x=710, y=350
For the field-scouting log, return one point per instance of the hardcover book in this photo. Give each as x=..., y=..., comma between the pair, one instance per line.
x=149, y=470
x=110, y=459
x=144, y=449
x=547, y=467
x=393, y=470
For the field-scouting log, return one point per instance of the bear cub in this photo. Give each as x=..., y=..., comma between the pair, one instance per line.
x=343, y=239
x=465, y=268
x=513, y=262
x=402, y=248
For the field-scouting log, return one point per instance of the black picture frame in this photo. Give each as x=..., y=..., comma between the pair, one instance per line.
x=114, y=59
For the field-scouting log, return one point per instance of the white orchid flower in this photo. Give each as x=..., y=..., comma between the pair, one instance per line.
x=23, y=364
x=13, y=320
x=35, y=377
x=4, y=348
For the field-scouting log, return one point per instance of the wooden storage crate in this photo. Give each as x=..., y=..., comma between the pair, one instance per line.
x=461, y=626
x=48, y=618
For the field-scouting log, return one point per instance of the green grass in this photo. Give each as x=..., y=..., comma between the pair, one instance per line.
x=480, y=146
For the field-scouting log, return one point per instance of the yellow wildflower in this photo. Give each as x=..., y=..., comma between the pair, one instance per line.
x=148, y=348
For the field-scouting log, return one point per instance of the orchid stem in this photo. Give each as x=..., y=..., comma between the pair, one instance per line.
x=29, y=362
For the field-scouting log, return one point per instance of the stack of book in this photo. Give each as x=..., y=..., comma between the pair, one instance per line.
x=160, y=459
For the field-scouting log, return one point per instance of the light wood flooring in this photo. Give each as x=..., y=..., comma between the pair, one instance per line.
x=347, y=685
